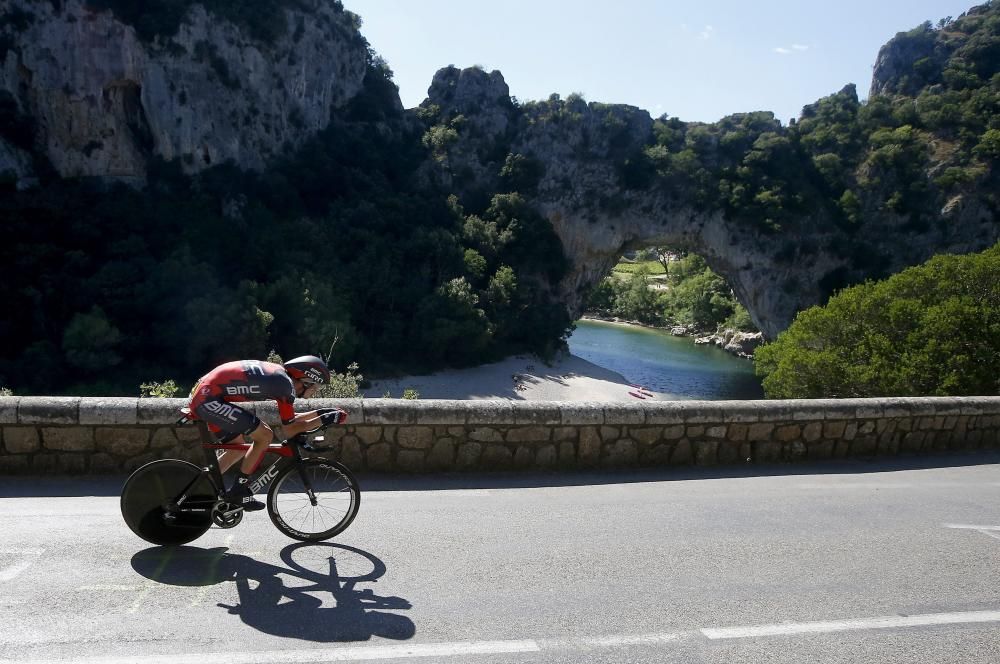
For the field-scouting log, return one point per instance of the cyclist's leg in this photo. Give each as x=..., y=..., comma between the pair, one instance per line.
x=260, y=438
x=233, y=420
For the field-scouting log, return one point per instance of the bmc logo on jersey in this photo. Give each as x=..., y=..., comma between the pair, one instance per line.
x=223, y=410
x=236, y=390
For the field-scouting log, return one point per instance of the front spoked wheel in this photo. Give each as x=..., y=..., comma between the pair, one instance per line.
x=149, y=493
x=313, y=500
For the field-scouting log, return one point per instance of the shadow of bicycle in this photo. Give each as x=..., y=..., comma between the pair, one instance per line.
x=315, y=597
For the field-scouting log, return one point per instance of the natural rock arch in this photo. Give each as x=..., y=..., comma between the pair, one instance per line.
x=580, y=149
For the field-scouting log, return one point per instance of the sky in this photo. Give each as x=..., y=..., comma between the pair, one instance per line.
x=698, y=60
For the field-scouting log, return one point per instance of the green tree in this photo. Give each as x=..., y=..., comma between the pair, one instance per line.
x=91, y=341
x=931, y=330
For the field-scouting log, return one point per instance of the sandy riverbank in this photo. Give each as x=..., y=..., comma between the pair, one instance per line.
x=568, y=378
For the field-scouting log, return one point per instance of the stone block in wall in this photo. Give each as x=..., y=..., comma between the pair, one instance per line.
x=820, y=450
x=850, y=431
x=367, y=435
x=834, y=429
x=164, y=438
x=729, y=452
x=888, y=444
x=379, y=457
x=547, y=457
x=132, y=464
x=560, y=434
x=645, y=435
x=760, y=432
x=864, y=446
x=777, y=410
x=738, y=433
x=122, y=441
x=897, y=408
x=665, y=412
x=21, y=440
x=415, y=438
x=682, y=454
x=350, y=453
x=45, y=464
x=485, y=435
x=706, y=452
x=624, y=413
x=567, y=454
x=102, y=463
x=582, y=413
x=674, y=432
x=703, y=412
x=468, y=455
x=14, y=464
x=766, y=451
x=490, y=413
x=529, y=435
x=72, y=464
x=538, y=413
x=410, y=461
x=812, y=432
x=524, y=457
x=610, y=434
x=188, y=434
x=8, y=409
x=794, y=450
x=740, y=412
x=68, y=439
x=497, y=457
x=442, y=455
x=812, y=410
x=102, y=412
x=788, y=433
x=589, y=453
x=158, y=411
x=49, y=410
x=657, y=455
x=620, y=454
x=695, y=432
x=717, y=432
x=438, y=411
x=390, y=411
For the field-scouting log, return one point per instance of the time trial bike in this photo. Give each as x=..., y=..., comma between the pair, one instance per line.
x=173, y=502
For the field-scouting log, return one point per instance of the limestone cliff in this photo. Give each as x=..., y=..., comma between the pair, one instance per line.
x=82, y=92
x=105, y=103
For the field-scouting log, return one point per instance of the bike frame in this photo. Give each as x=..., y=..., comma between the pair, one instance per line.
x=286, y=452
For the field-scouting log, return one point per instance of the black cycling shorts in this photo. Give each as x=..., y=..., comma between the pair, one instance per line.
x=228, y=417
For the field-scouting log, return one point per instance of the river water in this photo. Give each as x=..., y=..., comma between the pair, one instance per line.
x=658, y=361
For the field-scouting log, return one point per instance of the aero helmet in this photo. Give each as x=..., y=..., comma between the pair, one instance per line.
x=308, y=367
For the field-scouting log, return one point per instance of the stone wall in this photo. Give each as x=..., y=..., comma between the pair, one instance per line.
x=69, y=435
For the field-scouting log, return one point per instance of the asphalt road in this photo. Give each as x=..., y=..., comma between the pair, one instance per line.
x=858, y=562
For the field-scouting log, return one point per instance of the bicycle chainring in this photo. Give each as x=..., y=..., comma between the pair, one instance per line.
x=226, y=515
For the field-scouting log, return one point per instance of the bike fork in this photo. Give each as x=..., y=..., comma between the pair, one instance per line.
x=304, y=477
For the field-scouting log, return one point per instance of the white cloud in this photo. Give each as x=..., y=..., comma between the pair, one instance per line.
x=800, y=47
x=707, y=32
x=782, y=51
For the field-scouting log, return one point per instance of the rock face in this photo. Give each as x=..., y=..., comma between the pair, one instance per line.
x=105, y=103
x=581, y=148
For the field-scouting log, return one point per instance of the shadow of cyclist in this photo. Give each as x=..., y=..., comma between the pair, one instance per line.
x=321, y=601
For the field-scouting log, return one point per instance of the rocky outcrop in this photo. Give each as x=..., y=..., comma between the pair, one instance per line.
x=105, y=103
x=582, y=148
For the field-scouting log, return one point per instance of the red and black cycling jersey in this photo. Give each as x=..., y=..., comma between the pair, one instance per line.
x=247, y=380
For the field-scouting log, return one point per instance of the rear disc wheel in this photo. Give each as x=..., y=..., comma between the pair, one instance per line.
x=151, y=488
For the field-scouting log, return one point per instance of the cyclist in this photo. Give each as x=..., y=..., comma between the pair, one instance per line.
x=214, y=397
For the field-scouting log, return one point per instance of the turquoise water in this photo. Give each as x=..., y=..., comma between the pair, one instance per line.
x=658, y=361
